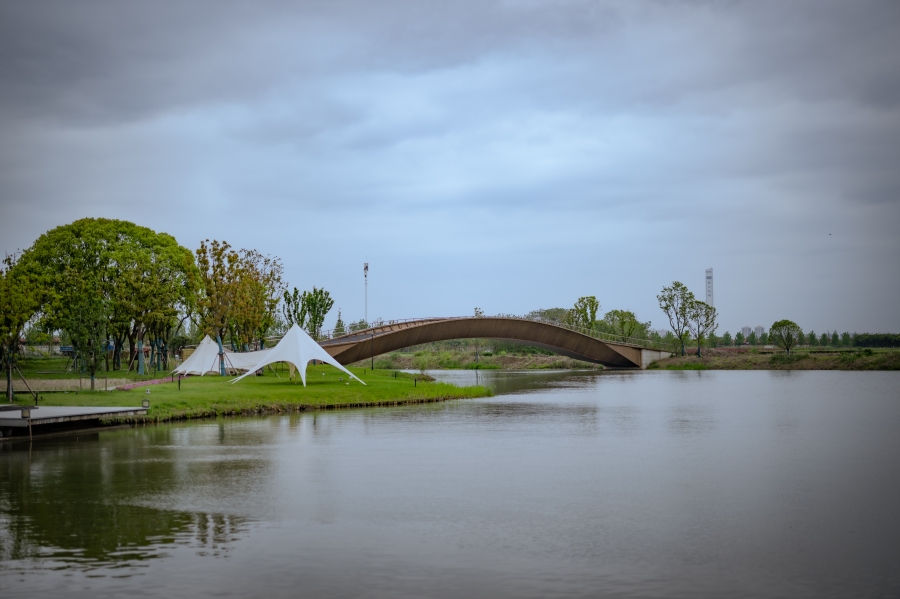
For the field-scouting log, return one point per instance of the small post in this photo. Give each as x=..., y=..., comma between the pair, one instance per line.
x=179, y=382
x=415, y=382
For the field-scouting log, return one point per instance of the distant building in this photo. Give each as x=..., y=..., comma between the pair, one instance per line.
x=745, y=331
x=760, y=331
x=709, y=287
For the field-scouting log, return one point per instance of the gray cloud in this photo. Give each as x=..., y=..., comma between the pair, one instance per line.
x=609, y=146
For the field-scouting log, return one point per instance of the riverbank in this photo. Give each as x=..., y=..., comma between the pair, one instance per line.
x=465, y=360
x=722, y=359
x=210, y=396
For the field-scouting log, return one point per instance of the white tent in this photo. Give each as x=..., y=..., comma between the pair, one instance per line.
x=296, y=348
x=205, y=359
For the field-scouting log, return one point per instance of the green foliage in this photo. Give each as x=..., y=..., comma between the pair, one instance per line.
x=359, y=325
x=764, y=339
x=787, y=358
x=811, y=339
x=339, y=325
x=701, y=320
x=19, y=301
x=219, y=266
x=752, y=340
x=727, y=341
x=739, y=339
x=316, y=304
x=584, y=313
x=294, y=309
x=257, y=291
x=145, y=280
x=846, y=341
x=553, y=315
x=625, y=324
x=785, y=334
x=676, y=301
x=835, y=340
x=876, y=340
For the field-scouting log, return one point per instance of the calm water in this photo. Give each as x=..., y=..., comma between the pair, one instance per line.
x=654, y=484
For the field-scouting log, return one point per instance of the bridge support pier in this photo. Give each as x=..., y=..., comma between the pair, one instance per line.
x=649, y=356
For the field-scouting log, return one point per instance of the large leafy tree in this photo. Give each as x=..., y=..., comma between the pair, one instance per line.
x=308, y=309
x=584, y=313
x=219, y=267
x=625, y=323
x=19, y=301
x=317, y=303
x=258, y=287
x=785, y=334
x=676, y=301
x=140, y=277
x=701, y=321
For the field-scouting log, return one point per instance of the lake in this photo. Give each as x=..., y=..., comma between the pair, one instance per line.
x=565, y=484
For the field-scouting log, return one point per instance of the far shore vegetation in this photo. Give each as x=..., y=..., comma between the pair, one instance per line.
x=751, y=358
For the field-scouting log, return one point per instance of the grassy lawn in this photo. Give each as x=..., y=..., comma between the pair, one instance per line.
x=212, y=395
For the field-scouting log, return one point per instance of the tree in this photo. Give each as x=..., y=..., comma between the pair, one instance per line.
x=727, y=340
x=739, y=339
x=19, y=301
x=676, y=302
x=294, y=309
x=835, y=339
x=553, y=315
x=339, y=325
x=85, y=317
x=625, y=323
x=316, y=304
x=359, y=325
x=712, y=339
x=257, y=291
x=785, y=334
x=584, y=313
x=764, y=339
x=824, y=340
x=811, y=339
x=701, y=320
x=752, y=340
x=218, y=266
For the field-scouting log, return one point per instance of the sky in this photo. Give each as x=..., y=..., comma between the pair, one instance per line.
x=505, y=155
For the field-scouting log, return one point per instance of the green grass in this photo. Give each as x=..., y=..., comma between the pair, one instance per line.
x=687, y=366
x=209, y=396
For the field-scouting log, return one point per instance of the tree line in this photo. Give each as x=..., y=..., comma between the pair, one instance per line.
x=107, y=285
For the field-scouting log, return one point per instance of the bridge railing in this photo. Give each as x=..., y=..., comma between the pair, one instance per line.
x=386, y=324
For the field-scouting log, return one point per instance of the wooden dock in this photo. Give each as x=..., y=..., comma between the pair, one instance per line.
x=56, y=417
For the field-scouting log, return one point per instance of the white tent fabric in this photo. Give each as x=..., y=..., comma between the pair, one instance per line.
x=205, y=359
x=245, y=360
x=296, y=348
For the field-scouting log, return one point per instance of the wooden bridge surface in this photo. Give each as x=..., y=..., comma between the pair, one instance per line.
x=363, y=344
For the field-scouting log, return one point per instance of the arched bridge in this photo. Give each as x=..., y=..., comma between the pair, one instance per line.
x=581, y=344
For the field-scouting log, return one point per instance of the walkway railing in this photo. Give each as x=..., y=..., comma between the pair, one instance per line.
x=381, y=327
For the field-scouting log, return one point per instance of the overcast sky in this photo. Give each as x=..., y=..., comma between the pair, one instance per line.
x=507, y=155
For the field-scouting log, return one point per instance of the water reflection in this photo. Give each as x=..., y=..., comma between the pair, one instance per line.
x=73, y=502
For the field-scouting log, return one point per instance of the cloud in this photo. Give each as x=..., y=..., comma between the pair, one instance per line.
x=637, y=141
